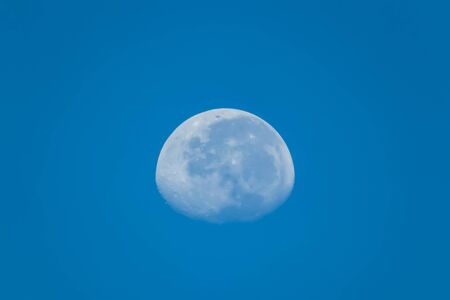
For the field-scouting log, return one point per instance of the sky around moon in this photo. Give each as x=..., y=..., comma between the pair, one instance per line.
x=90, y=91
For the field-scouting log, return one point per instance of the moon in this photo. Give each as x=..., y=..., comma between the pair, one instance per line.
x=225, y=165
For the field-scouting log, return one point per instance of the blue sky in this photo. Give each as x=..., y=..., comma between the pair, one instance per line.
x=90, y=91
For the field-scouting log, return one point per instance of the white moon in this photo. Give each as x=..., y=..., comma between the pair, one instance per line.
x=225, y=165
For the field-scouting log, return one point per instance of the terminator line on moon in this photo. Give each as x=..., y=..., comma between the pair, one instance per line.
x=225, y=165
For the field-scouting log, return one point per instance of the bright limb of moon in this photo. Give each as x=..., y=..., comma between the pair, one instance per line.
x=225, y=165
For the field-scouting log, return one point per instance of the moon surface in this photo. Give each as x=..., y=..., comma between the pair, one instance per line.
x=225, y=165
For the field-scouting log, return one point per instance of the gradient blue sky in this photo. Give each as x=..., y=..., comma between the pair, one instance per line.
x=90, y=90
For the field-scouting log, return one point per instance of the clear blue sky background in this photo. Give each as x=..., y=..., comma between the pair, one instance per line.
x=89, y=92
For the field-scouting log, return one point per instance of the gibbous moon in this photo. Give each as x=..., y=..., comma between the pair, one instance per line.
x=225, y=165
